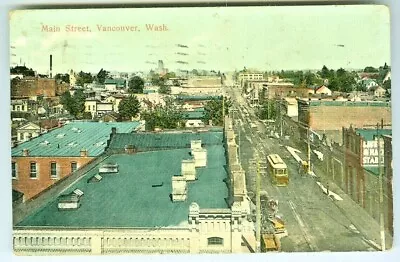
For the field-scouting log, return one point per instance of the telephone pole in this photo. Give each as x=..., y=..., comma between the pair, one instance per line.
x=258, y=206
x=381, y=217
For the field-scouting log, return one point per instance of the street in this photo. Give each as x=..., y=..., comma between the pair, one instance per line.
x=313, y=221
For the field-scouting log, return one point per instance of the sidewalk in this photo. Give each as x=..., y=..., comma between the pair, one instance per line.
x=362, y=222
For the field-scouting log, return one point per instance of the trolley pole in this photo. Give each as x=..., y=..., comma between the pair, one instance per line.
x=381, y=217
x=258, y=207
x=308, y=151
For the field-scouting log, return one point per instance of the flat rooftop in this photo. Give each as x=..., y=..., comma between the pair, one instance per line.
x=127, y=199
x=71, y=138
x=343, y=102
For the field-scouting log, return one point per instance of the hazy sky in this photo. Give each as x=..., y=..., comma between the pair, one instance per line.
x=267, y=38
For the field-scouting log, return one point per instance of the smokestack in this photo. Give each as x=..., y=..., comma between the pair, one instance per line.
x=51, y=66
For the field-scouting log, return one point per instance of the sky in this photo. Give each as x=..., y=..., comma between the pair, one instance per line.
x=222, y=38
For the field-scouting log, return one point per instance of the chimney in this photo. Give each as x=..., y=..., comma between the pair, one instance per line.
x=195, y=144
x=200, y=157
x=188, y=169
x=179, y=188
x=84, y=153
x=51, y=66
x=25, y=152
x=130, y=149
x=113, y=130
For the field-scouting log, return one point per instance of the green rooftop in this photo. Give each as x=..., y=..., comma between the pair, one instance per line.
x=70, y=139
x=370, y=134
x=165, y=140
x=127, y=199
x=197, y=97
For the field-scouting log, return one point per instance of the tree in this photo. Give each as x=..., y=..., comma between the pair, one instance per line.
x=75, y=104
x=370, y=69
x=62, y=77
x=387, y=85
x=84, y=78
x=22, y=70
x=164, y=89
x=136, y=85
x=102, y=75
x=213, y=110
x=324, y=73
x=129, y=107
x=267, y=110
x=166, y=116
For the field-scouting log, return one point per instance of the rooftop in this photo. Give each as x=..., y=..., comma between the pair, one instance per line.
x=70, y=139
x=370, y=134
x=333, y=102
x=130, y=198
x=166, y=140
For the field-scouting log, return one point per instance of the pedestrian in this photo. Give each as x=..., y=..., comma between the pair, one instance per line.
x=327, y=189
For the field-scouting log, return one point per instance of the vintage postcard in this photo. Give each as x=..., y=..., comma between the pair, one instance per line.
x=201, y=130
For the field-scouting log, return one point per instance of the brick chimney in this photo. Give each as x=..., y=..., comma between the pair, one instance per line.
x=84, y=153
x=25, y=152
x=113, y=130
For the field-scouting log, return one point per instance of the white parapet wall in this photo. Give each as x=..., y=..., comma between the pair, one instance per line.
x=200, y=157
x=179, y=188
x=188, y=169
x=195, y=144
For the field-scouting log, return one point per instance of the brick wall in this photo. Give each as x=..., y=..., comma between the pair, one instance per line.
x=33, y=186
x=37, y=86
x=335, y=117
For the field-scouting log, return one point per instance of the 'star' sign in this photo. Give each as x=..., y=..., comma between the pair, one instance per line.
x=370, y=157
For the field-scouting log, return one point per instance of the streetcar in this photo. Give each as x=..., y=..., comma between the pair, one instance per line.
x=277, y=170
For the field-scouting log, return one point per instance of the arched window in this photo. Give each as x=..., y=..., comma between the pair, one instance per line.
x=215, y=241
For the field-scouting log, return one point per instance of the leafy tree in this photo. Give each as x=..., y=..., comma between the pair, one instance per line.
x=136, y=85
x=166, y=116
x=129, y=107
x=214, y=110
x=62, y=77
x=22, y=70
x=102, y=75
x=387, y=85
x=75, y=104
x=324, y=73
x=84, y=78
x=175, y=82
x=267, y=110
x=170, y=75
x=370, y=69
x=164, y=89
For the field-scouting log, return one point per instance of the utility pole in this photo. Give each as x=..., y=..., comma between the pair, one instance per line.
x=258, y=207
x=308, y=151
x=280, y=112
x=381, y=218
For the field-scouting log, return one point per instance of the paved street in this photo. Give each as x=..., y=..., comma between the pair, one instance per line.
x=314, y=222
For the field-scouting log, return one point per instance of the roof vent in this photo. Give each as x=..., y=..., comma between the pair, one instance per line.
x=60, y=135
x=70, y=201
x=108, y=168
x=72, y=144
x=78, y=192
x=95, y=179
x=45, y=143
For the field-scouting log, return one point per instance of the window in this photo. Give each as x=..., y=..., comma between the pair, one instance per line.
x=33, y=172
x=53, y=170
x=14, y=170
x=215, y=241
x=74, y=167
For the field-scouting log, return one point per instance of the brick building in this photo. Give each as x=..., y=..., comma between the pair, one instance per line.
x=361, y=170
x=328, y=116
x=42, y=161
x=35, y=86
x=279, y=90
